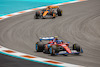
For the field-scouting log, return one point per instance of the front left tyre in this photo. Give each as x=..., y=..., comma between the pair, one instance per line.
x=53, y=50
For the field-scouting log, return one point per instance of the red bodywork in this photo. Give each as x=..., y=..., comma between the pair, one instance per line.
x=64, y=45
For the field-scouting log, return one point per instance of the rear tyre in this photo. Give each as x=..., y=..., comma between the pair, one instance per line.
x=39, y=46
x=59, y=12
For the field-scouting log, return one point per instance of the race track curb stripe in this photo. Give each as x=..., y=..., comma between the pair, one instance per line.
x=25, y=11
x=17, y=54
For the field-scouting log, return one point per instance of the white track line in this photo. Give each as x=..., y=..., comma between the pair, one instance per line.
x=25, y=56
x=25, y=11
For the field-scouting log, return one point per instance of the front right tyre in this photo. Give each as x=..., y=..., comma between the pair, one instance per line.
x=77, y=48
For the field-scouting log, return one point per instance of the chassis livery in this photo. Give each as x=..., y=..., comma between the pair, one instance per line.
x=47, y=45
x=49, y=12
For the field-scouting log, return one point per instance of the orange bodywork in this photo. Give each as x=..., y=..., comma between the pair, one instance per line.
x=45, y=13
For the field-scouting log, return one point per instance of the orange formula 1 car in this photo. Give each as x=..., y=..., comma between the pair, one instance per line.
x=49, y=12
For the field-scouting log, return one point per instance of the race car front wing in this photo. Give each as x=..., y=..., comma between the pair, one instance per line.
x=72, y=52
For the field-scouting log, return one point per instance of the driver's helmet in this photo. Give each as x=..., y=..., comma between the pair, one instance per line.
x=59, y=41
x=62, y=42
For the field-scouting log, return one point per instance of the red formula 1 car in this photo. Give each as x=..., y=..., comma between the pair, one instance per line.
x=57, y=47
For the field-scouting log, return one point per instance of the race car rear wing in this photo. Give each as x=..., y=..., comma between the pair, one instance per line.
x=46, y=38
x=54, y=6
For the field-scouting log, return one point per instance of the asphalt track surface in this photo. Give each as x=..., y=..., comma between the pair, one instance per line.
x=80, y=24
x=7, y=61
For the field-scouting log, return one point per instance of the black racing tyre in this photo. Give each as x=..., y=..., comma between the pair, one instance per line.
x=59, y=12
x=37, y=15
x=76, y=47
x=39, y=46
x=54, y=50
x=43, y=17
